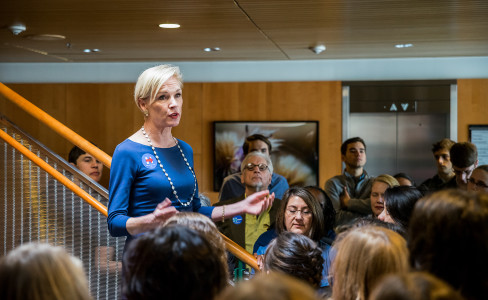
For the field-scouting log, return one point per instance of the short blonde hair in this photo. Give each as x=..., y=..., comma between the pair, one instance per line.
x=387, y=179
x=150, y=82
x=42, y=272
x=364, y=255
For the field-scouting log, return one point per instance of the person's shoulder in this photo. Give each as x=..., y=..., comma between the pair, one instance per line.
x=277, y=177
x=127, y=146
x=452, y=183
x=184, y=145
x=335, y=178
x=264, y=239
x=232, y=177
x=431, y=180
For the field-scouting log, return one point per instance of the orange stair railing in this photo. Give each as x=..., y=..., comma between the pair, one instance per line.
x=88, y=147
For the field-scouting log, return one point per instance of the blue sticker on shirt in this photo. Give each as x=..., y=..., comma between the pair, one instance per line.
x=149, y=161
x=237, y=220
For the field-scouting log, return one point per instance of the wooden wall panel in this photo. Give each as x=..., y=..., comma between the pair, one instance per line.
x=106, y=115
x=190, y=128
x=51, y=99
x=277, y=101
x=472, y=105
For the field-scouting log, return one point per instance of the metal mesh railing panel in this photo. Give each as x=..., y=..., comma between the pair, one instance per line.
x=34, y=207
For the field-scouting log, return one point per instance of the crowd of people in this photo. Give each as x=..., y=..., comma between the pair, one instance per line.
x=360, y=237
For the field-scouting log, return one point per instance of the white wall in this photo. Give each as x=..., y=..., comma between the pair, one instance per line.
x=306, y=70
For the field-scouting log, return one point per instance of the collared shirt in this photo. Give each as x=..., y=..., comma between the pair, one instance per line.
x=255, y=226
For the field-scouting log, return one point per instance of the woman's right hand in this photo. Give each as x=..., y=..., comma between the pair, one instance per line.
x=161, y=213
x=164, y=211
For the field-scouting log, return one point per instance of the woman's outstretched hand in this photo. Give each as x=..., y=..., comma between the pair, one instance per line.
x=258, y=202
x=164, y=211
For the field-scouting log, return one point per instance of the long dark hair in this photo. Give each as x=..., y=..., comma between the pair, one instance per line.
x=326, y=204
x=400, y=201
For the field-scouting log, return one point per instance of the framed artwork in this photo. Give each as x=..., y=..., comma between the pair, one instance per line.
x=478, y=135
x=294, y=150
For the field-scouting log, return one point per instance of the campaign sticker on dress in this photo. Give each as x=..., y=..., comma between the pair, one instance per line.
x=149, y=161
x=237, y=220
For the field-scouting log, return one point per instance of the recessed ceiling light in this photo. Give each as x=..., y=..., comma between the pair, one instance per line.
x=168, y=25
x=399, y=46
x=91, y=50
x=211, y=49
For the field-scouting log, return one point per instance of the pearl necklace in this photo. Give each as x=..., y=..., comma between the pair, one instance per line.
x=165, y=173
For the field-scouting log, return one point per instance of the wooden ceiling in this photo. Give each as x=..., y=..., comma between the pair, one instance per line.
x=244, y=30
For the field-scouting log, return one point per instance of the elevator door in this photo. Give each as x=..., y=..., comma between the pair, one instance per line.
x=400, y=142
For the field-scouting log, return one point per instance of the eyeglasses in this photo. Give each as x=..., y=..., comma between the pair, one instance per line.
x=251, y=166
x=304, y=212
x=479, y=184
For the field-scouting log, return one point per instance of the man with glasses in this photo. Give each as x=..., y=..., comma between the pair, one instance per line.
x=232, y=186
x=256, y=173
x=464, y=158
x=478, y=181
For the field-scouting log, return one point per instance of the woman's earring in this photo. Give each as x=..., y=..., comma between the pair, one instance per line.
x=146, y=113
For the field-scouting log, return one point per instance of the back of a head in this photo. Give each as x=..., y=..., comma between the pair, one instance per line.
x=42, y=272
x=364, y=255
x=172, y=262
x=448, y=237
x=400, y=201
x=296, y=255
x=414, y=286
x=463, y=154
x=272, y=286
x=368, y=221
x=206, y=227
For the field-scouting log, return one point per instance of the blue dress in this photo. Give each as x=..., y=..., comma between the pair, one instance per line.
x=137, y=183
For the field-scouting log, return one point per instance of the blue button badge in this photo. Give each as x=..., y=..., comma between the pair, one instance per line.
x=149, y=161
x=237, y=220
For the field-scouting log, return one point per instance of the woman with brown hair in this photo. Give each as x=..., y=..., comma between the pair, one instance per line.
x=448, y=237
x=301, y=213
x=364, y=255
x=42, y=272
